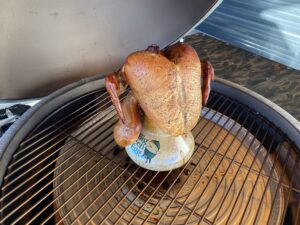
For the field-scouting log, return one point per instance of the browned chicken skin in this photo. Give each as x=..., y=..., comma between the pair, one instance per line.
x=125, y=133
x=165, y=85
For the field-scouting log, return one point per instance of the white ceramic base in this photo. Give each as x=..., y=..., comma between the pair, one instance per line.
x=158, y=151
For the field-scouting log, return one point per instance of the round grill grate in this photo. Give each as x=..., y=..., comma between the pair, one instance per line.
x=69, y=171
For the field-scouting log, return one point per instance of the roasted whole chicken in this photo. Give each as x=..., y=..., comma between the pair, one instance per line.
x=165, y=86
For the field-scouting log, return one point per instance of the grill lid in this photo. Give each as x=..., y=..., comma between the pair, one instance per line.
x=49, y=44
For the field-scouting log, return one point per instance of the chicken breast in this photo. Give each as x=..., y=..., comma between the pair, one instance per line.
x=167, y=86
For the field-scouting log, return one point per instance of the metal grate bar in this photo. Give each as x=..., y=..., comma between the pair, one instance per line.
x=227, y=169
x=113, y=195
x=145, y=203
x=37, y=172
x=35, y=133
x=156, y=190
x=200, y=176
x=32, y=186
x=278, y=186
x=239, y=168
x=55, y=129
x=256, y=182
x=49, y=140
x=65, y=117
x=265, y=158
x=94, y=176
x=254, y=171
x=95, y=153
x=153, y=192
x=165, y=194
x=74, y=115
x=86, y=118
x=172, y=202
x=268, y=181
x=289, y=191
x=77, y=204
x=129, y=192
x=38, y=190
x=41, y=179
x=144, y=174
x=107, y=216
x=211, y=160
x=136, y=198
x=192, y=212
x=74, y=125
x=66, y=215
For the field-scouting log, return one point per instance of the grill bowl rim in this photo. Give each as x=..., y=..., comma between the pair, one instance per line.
x=20, y=129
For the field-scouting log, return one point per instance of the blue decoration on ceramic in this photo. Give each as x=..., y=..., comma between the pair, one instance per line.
x=156, y=150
